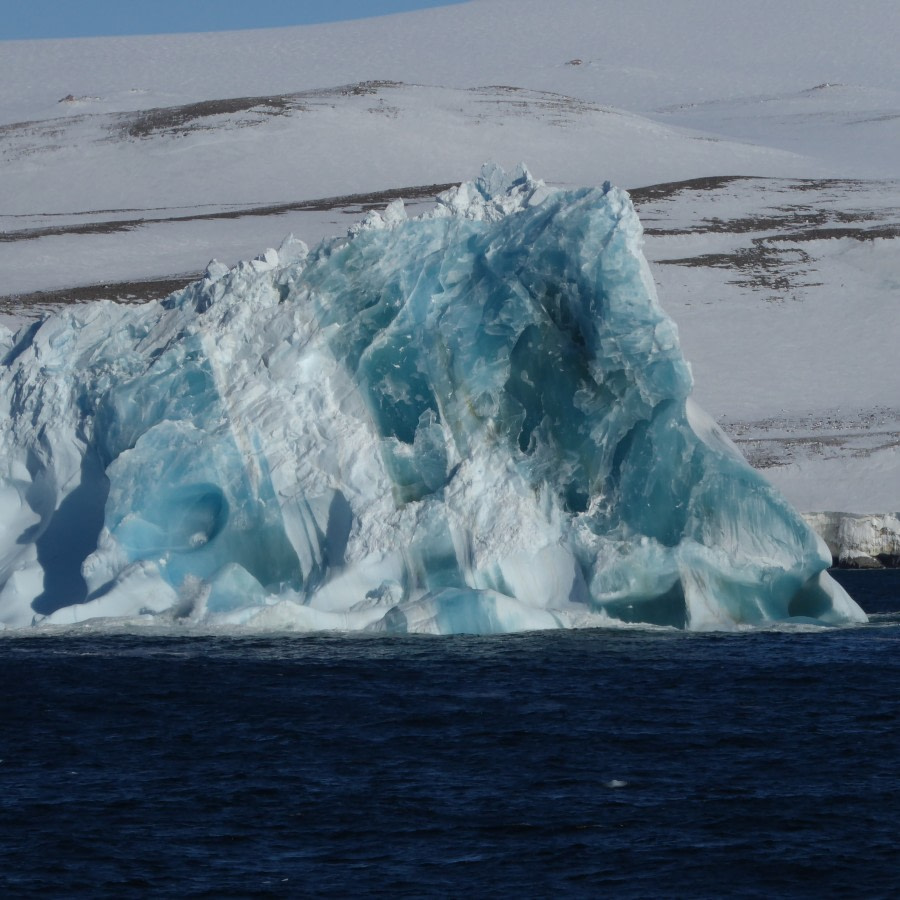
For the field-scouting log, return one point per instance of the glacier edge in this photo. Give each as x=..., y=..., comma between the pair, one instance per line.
x=476, y=420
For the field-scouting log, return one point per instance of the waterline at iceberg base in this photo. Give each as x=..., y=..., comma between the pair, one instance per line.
x=473, y=421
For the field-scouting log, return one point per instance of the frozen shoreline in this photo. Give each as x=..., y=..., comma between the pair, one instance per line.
x=859, y=541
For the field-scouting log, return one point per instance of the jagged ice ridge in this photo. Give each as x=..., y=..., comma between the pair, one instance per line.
x=473, y=421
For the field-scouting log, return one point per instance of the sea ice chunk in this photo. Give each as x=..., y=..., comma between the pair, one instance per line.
x=477, y=420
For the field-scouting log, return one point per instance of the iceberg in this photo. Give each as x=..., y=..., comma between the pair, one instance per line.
x=477, y=420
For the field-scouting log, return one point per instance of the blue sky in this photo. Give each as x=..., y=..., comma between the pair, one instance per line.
x=89, y=18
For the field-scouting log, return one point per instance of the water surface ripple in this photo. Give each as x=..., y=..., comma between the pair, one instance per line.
x=624, y=763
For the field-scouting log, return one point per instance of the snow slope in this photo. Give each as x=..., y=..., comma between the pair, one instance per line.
x=130, y=160
x=642, y=56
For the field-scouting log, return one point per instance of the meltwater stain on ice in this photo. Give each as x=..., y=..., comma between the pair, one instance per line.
x=473, y=421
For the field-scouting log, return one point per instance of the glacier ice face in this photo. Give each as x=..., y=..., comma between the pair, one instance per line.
x=477, y=420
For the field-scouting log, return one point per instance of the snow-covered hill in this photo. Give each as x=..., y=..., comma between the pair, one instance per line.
x=732, y=65
x=127, y=163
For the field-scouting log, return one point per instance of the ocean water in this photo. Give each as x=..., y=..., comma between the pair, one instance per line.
x=632, y=763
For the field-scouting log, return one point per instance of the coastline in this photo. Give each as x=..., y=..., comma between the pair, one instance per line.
x=859, y=541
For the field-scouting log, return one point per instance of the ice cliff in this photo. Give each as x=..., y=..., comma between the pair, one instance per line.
x=859, y=541
x=477, y=420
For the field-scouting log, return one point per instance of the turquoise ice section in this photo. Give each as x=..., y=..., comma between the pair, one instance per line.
x=477, y=421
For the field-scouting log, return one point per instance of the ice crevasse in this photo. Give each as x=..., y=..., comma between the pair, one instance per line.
x=477, y=420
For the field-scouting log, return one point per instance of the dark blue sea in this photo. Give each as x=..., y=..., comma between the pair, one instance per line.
x=588, y=763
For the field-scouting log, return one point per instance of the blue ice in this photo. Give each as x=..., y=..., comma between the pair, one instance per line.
x=475, y=421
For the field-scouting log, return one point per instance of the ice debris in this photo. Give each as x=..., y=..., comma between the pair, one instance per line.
x=473, y=421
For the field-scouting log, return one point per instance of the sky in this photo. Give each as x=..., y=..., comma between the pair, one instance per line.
x=93, y=18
